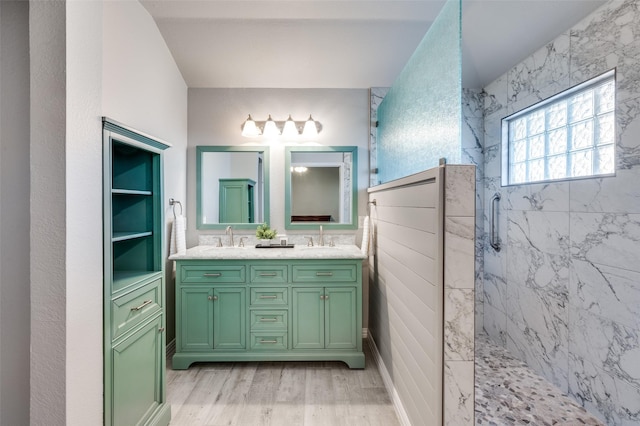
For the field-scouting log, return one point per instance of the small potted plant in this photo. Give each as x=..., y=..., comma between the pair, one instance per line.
x=265, y=234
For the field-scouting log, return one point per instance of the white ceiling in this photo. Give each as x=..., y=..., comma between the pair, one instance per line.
x=346, y=43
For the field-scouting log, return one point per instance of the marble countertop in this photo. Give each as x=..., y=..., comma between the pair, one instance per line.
x=203, y=252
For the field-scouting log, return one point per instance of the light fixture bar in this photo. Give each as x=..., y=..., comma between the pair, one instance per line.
x=288, y=129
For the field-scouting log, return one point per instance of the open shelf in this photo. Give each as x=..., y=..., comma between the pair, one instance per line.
x=123, y=236
x=116, y=191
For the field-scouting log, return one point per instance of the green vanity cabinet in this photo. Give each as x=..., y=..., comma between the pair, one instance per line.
x=236, y=200
x=325, y=317
x=134, y=287
x=212, y=319
x=290, y=310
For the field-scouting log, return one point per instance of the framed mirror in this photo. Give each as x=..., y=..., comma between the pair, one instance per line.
x=321, y=187
x=232, y=186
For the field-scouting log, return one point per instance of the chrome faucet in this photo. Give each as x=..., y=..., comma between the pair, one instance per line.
x=321, y=242
x=229, y=231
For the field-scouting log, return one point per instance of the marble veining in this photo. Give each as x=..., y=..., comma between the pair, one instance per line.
x=297, y=252
x=611, y=345
x=459, y=393
x=606, y=291
x=297, y=239
x=614, y=400
x=507, y=393
x=459, y=251
x=543, y=73
x=606, y=238
x=458, y=325
x=563, y=292
x=377, y=95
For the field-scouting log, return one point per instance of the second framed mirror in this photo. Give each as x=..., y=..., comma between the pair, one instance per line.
x=321, y=187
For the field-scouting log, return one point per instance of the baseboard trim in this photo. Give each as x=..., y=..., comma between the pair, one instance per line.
x=388, y=383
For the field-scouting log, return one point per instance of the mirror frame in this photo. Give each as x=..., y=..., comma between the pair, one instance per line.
x=354, y=188
x=201, y=149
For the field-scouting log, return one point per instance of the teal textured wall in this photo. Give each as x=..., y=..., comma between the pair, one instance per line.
x=419, y=119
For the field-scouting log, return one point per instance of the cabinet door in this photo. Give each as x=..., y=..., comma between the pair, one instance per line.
x=137, y=376
x=229, y=318
x=340, y=317
x=308, y=318
x=196, y=319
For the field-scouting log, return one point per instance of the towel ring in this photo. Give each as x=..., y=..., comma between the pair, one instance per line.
x=173, y=203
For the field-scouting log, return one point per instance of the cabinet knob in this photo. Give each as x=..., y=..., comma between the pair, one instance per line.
x=212, y=297
x=161, y=330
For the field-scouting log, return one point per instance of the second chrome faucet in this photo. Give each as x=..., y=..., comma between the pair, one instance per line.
x=229, y=232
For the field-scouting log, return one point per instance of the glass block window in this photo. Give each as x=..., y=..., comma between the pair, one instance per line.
x=570, y=135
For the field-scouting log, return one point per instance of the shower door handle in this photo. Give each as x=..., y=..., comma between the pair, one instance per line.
x=494, y=238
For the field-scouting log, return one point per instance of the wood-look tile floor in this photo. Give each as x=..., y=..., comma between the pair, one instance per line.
x=279, y=393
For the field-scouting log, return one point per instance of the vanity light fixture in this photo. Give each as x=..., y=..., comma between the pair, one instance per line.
x=270, y=130
x=298, y=169
x=250, y=129
x=289, y=129
x=310, y=128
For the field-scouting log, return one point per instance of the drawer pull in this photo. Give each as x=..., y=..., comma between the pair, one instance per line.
x=268, y=319
x=268, y=274
x=268, y=341
x=145, y=303
x=212, y=274
x=212, y=297
x=161, y=330
x=268, y=296
x=324, y=274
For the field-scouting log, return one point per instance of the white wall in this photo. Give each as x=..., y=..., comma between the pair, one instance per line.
x=216, y=116
x=83, y=213
x=47, y=26
x=143, y=88
x=75, y=79
x=14, y=213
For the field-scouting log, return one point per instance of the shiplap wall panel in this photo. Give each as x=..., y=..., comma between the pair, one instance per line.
x=409, y=195
x=420, y=218
x=393, y=250
x=419, y=287
x=418, y=240
x=407, y=290
x=413, y=325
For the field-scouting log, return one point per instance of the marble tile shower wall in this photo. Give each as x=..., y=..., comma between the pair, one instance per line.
x=473, y=153
x=563, y=294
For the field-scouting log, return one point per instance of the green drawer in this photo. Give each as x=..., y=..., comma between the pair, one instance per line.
x=269, y=296
x=269, y=341
x=268, y=274
x=269, y=320
x=324, y=274
x=212, y=274
x=133, y=308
